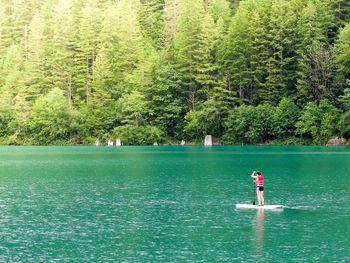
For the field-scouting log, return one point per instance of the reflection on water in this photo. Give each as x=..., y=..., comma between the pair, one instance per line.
x=259, y=231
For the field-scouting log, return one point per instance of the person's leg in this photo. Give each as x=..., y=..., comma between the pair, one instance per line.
x=262, y=197
x=259, y=197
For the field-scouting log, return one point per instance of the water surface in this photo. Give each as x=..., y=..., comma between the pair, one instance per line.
x=173, y=204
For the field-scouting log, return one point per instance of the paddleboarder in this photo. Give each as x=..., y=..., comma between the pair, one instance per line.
x=258, y=178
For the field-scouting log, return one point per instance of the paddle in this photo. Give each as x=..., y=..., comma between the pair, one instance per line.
x=254, y=193
x=253, y=188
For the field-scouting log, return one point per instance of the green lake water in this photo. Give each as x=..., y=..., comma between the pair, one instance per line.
x=173, y=204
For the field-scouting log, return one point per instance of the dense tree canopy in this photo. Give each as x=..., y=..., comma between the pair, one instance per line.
x=145, y=71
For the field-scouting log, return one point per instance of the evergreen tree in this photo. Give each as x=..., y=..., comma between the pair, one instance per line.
x=122, y=41
x=3, y=20
x=309, y=36
x=152, y=21
x=259, y=57
x=234, y=56
x=189, y=50
x=205, y=74
x=340, y=13
x=234, y=4
x=35, y=58
x=133, y=109
x=171, y=19
x=99, y=113
x=166, y=98
x=6, y=116
x=139, y=68
x=12, y=70
x=22, y=12
x=279, y=39
x=343, y=56
x=63, y=46
x=220, y=10
x=89, y=29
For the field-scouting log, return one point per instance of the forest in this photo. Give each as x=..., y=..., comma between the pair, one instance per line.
x=145, y=71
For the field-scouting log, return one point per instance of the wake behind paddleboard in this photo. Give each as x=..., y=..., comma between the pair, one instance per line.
x=249, y=206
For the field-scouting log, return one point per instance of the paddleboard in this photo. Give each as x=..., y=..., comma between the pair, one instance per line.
x=249, y=206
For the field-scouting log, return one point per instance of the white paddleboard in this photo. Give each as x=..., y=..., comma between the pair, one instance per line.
x=249, y=206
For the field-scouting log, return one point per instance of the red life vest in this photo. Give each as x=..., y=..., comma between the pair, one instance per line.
x=260, y=180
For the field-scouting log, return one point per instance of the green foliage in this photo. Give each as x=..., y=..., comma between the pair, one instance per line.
x=289, y=141
x=220, y=9
x=319, y=122
x=210, y=117
x=190, y=45
x=321, y=74
x=85, y=56
x=49, y=122
x=133, y=109
x=139, y=135
x=152, y=21
x=121, y=40
x=145, y=70
x=12, y=70
x=62, y=46
x=35, y=59
x=165, y=95
x=249, y=124
x=285, y=116
x=343, y=55
x=345, y=99
x=6, y=114
x=234, y=55
x=311, y=36
x=193, y=127
x=340, y=15
x=344, y=124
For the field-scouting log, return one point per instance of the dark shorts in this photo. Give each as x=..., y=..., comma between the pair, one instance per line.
x=260, y=188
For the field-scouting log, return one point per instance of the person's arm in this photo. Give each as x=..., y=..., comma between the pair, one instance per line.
x=253, y=174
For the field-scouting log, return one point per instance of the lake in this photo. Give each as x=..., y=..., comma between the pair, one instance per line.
x=173, y=204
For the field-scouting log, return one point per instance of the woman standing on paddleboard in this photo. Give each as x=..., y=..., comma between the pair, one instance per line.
x=259, y=182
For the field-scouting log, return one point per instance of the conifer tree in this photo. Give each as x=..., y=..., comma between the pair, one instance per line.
x=343, y=56
x=63, y=45
x=3, y=19
x=234, y=55
x=136, y=68
x=172, y=10
x=85, y=56
x=152, y=21
x=309, y=35
x=121, y=40
x=220, y=9
x=167, y=99
x=259, y=56
x=188, y=47
x=22, y=12
x=35, y=58
x=340, y=12
x=12, y=70
x=279, y=40
x=206, y=68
